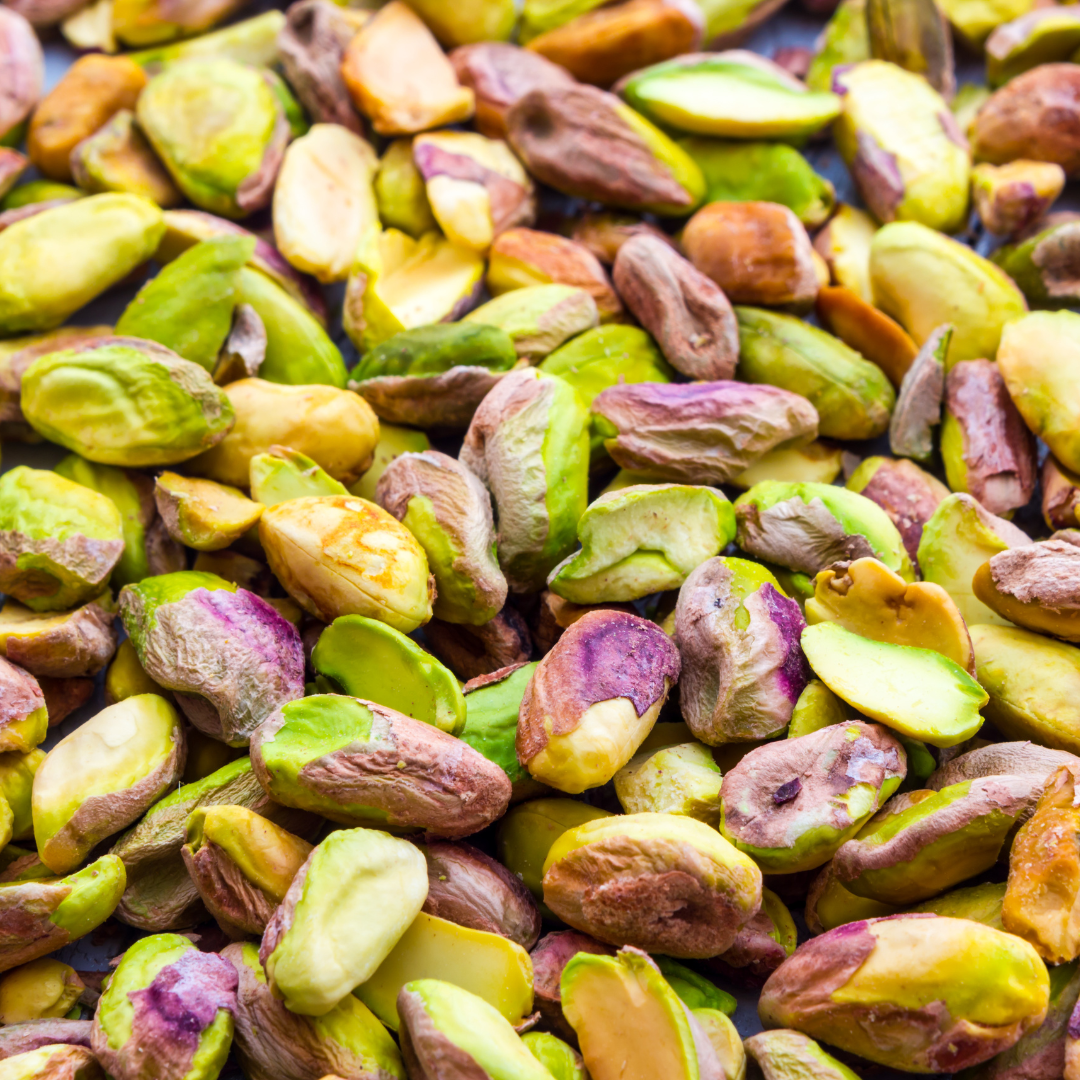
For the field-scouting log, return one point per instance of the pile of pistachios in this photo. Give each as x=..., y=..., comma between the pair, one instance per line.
x=548, y=566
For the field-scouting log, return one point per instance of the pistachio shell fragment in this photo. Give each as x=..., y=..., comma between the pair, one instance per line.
x=446, y=1026
x=783, y=1053
x=568, y=138
x=360, y=763
x=367, y=659
x=924, y=279
x=901, y=968
x=125, y=401
x=242, y=864
x=529, y=430
x=398, y=76
x=867, y=598
x=320, y=235
x=1032, y=586
x=731, y=94
x=229, y=655
x=684, y=310
x=67, y=644
x=918, y=692
x=923, y=843
x=701, y=433
x=852, y=396
x=791, y=804
x=918, y=405
x=523, y=257
x=334, y=427
x=956, y=541
x=202, y=514
x=593, y=699
x=607, y=878
x=347, y=907
x=273, y=1043
x=738, y=637
x=807, y=527
x=220, y=131
x=59, y=541
x=167, y=1012
x=448, y=510
x=103, y=776
x=539, y=318
x=643, y=539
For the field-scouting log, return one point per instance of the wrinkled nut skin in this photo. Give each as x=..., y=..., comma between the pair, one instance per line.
x=471, y=652
x=684, y=310
x=738, y=682
x=1035, y=587
x=469, y=888
x=64, y=646
x=24, y=67
x=1012, y=197
x=792, y=804
x=182, y=1002
x=908, y=494
x=1002, y=759
x=1042, y=900
x=918, y=403
x=443, y=502
x=699, y=433
x=1033, y=117
x=33, y=1034
x=594, y=698
x=552, y=953
x=761, y=945
x=988, y=450
x=660, y=882
x=229, y=655
x=23, y=713
x=500, y=74
x=757, y=252
x=578, y=141
x=604, y=233
x=396, y=772
x=1060, y=495
x=340, y=555
x=444, y=402
x=828, y=990
x=783, y=1053
x=91, y=91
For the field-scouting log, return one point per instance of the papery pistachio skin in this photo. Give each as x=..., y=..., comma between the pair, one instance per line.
x=738, y=637
x=701, y=433
x=167, y=1012
x=790, y=805
x=24, y=715
x=1012, y=197
x=360, y=763
x=918, y=404
x=345, y=910
x=125, y=401
x=1001, y=759
x=593, y=883
x=273, y=1043
x=231, y=658
x=33, y=1034
x=64, y=645
x=594, y=698
x=891, y=967
x=448, y=510
x=474, y=651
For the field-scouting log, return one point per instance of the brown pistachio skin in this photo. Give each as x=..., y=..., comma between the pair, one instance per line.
x=685, y=311
x=754, y=955
x=604, y=233
x=1061, y=495
x=604, y=655
x=23, y=65
x=444, y=402
x=552, y=953
x=500, y=75
x=574, y=140
x=1034, y=116
x=33, y=1034
x=472, y=651
x=1001, y=759
x=20, y=694
x=1036, y=587
x=757, y=252
x=312, y=46
x=469, y=888
x=553, y=614
x=999, y=450
x=918, y=404
x=64, y=696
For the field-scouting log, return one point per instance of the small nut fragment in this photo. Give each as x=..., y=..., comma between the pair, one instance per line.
x=202, y=514
x=918, y=404
x=685, y=311
x=1010, y=197
x=398, y=76
x=757, y=252
x=680, y=779
x=870, y=332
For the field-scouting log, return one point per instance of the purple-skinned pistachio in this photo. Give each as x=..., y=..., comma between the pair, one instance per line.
x=594, y=698
x=24, y=717
x=24, y=69
x=738, y=636
x=228, y=654
x=167, y=1013
x=844, y=772
x=861, y=988
x=699, y=433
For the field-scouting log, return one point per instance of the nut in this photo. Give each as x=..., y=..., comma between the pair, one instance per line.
x=202, y=514
x=539, y=318
x=918, y=405
x=1012, y=197
x=42, y=989
x=680, y=779
x=871, y=333
x=1061, y=495
x=471, y=652
x=24, y=719
x=67, y=644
